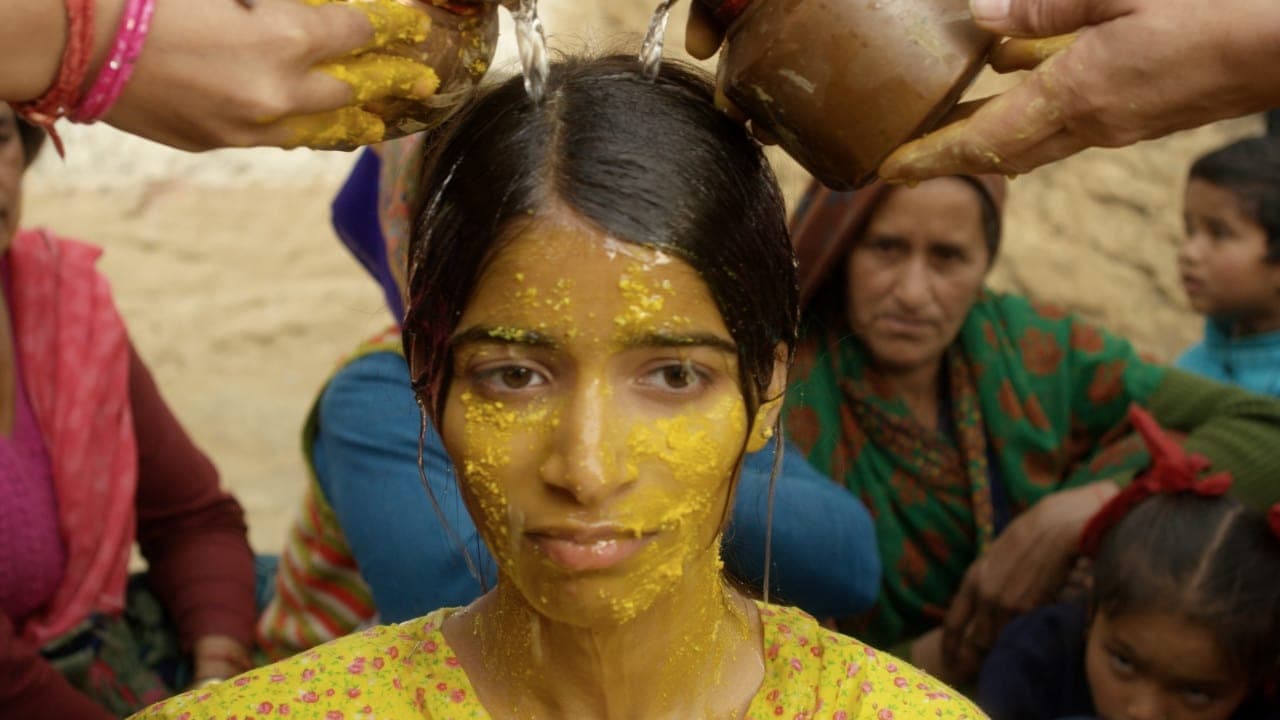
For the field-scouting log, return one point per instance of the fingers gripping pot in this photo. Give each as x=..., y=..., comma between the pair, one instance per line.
x=842, y=83
x=458, y=46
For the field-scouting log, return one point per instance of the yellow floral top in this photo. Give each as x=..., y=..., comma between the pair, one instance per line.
x=408, y=671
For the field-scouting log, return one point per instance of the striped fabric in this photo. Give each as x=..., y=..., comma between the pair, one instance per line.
x=319, y=592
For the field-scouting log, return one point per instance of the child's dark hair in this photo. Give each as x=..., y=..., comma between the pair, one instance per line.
x=1250, y=169
x=1208, y=559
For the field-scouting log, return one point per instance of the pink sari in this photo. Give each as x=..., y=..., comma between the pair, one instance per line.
x=74, y=354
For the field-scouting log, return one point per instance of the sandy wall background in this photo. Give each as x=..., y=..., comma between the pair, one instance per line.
x=240, y=298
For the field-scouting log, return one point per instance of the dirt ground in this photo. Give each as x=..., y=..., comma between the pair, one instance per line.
x=241, y=300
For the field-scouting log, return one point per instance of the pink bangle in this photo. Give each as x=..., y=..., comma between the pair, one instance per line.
x=118, y=68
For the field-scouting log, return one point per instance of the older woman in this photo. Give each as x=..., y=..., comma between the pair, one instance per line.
x=977, y=426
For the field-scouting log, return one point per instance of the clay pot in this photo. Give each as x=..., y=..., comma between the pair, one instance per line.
x=843, y=83
x=460, y=48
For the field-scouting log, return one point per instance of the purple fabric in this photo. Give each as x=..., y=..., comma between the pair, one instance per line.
x=34, y=557
x=355, y=219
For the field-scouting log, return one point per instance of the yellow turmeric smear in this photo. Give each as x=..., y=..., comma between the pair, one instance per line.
x=393, y=23
x=490, y=426
x=344, y=128
x=643, y=301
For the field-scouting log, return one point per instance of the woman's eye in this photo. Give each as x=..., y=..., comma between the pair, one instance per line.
x=675, y=377
x=512, y=377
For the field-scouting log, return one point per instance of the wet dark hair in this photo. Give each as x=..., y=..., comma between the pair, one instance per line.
x=1209, y=560
x=650, y=163
x=1250, y=169
x=31, y=136
x=32, y=141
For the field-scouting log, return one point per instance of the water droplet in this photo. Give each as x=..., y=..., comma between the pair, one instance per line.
x=654, y=41
x=531, y=40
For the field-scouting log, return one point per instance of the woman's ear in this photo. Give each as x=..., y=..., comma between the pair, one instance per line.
x=765, y=423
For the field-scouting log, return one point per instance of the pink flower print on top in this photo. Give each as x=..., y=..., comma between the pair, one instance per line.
x=265, y=708
x=884, y=714
x=458, y=695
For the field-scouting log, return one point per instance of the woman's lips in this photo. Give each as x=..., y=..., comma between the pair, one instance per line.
x=583, y=551
x=898, y=325
x=1192, y=285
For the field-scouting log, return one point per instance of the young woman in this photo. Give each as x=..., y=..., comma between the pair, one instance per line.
x=601, y=308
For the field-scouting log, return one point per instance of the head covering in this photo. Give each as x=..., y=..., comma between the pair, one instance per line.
x=371, y=214
x=827, y=222
x=74, y=354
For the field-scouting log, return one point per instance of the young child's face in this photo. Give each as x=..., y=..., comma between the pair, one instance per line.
x=1158, y=666
x=1223, y=258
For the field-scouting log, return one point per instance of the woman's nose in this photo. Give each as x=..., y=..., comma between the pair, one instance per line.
x=588, y=458
x=912, y=288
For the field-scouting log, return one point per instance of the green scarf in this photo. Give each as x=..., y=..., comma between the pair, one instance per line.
x=1031, y=389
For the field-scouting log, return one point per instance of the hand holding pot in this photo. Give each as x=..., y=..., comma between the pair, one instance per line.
x=1138, y=69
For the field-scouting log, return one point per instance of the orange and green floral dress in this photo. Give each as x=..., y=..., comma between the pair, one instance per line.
x=408, y=671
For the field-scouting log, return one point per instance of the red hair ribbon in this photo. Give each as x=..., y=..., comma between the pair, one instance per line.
x=1273, y=519
x=1172, y=470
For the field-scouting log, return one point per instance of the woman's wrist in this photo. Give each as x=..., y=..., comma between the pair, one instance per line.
x=218, y=657
x=106, y=23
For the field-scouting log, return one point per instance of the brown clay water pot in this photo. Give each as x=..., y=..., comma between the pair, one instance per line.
x=843, y=83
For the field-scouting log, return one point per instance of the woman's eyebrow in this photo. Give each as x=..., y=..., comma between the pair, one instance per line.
x=503, y=335
x=672, y=339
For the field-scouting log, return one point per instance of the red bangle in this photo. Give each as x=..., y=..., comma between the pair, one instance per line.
x=115, y=72
x=58, y=100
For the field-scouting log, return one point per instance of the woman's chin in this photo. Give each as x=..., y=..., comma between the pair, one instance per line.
x=599, y=598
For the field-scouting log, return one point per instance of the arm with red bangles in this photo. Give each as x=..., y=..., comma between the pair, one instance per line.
x=215, y=73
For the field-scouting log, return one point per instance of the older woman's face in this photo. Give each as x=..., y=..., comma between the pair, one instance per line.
x=596, y=419
x=916, y=272
x=12, y=165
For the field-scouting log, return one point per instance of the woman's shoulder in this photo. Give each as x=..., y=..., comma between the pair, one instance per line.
x=385, y=671
x=804, y=660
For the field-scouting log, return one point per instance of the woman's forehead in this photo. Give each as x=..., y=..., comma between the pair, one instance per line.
x=575, y=280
